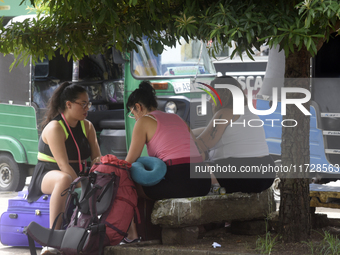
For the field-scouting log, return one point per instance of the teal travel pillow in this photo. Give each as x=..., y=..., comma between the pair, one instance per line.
x=148, y=171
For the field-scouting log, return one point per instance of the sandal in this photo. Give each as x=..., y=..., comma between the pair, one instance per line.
x=128, y=241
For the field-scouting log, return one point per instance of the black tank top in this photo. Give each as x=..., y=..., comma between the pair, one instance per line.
x=72, y=153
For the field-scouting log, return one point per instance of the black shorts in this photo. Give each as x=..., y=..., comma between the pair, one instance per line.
x=244, y=184
x=34, y=189
x=177, y=184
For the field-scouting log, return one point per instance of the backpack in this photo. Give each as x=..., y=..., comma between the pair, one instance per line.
x=103, y=213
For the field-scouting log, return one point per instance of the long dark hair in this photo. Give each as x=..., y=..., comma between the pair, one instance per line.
x=145, y=94
x=57, y=103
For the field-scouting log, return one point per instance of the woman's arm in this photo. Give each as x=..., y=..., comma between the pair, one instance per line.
x=213, y=132
x=138, y=140
x=54, y=136
x=92, y=138
x=197, y=131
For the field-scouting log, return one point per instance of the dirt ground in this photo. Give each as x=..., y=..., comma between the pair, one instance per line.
x=247, y=244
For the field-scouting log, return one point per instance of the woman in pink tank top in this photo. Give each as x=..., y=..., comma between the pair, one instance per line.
x=168, y=138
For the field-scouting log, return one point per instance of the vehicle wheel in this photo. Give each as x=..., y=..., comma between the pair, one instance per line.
x=12, y=178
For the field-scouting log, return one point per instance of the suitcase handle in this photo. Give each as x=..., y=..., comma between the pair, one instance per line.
x=13, y=215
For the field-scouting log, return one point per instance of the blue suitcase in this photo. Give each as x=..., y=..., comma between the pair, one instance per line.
x=19, y=214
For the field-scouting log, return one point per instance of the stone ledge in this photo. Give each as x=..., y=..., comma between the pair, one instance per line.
x=184, y=212
x=167, y=250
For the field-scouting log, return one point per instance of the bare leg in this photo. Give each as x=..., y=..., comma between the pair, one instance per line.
x=213, y=179
x=54, y=183
x=132, y=232
x=140, y=191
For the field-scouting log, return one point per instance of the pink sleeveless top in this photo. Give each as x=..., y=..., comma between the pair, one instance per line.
x=172, y=139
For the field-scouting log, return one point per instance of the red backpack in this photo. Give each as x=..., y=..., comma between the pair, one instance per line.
x=103, y=213
x=124, y=205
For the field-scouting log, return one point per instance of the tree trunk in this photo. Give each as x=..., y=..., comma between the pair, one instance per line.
x=294, y=205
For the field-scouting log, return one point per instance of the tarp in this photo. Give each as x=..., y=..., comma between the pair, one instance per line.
x=14, y=85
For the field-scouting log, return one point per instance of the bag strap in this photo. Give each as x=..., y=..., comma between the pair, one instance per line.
x=122, y=233
x=101, y=229
x=53, y=228
x=73, y=196
x=31, y=244
x=101, y=241
x=135, y=208
x=110, y=183
x=104, y=188
x=79, y=158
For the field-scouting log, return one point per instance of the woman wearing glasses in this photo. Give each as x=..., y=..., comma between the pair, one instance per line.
x=168, y=138
x=66, y=142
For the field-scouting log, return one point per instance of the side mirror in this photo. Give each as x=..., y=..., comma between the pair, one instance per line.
x=117, y=57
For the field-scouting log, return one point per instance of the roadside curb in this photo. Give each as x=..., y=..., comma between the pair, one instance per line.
x=115, y=250
x=153, y=247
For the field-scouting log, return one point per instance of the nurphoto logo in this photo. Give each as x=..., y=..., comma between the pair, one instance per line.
x=204, y=97
x=238, y=99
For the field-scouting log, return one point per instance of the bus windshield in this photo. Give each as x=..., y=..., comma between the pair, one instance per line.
x=184, y=60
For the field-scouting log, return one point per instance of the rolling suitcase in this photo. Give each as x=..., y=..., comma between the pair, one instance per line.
x=19, y=214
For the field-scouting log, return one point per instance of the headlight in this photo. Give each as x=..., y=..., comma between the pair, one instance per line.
x=170, y=107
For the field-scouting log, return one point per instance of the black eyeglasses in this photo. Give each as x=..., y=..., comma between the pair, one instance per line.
x=84, y=105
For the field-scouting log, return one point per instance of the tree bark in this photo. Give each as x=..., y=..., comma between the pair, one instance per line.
x=294, y=204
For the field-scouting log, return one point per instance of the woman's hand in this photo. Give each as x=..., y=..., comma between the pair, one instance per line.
x=92, y=138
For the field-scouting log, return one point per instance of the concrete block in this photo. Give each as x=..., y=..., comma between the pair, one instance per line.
x=186, y=235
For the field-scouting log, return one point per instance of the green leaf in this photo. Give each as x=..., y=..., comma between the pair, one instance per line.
x=286, y=48
x=297, y=40
x=280, y=38
x=252, y=34
x=307, y=21
x=291, y=47
x=249, y=38
x=300, y=46
x=259, y=29
x=328, y=13
x=249, y=55
x=213, y=33
x=264, y=38
x=309, y=41
x=102, y=15
x=233, y=54
x=233, y=33
x=313, y=46
x=319, y=36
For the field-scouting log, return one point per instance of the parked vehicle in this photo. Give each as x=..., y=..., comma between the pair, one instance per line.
x=324, y=131
x=249, y=73
x=109, y=79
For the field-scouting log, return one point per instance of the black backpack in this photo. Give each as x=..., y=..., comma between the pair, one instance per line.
x=102, y=216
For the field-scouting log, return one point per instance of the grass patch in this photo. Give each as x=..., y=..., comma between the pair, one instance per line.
x=265, y=245
x=330, y=245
